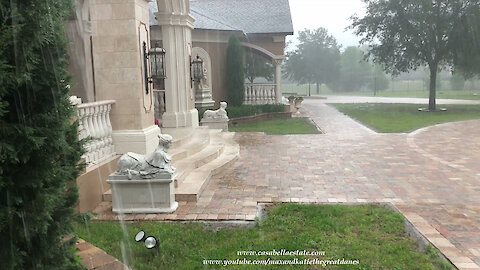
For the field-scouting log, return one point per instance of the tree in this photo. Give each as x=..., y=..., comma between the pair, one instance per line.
x=316, y=59
x=257, y=66
x=466, y=32
x=405, y=34
x=457, y=81
x=39, y=148
x=355, y=72
x=295, y=69
x=379, y=80
x=235, y=77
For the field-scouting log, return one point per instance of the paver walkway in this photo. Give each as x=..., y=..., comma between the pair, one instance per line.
x=94, y=258
x=431, y=176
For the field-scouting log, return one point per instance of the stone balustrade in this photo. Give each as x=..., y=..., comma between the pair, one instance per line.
x=95, y=127
x=258, y=94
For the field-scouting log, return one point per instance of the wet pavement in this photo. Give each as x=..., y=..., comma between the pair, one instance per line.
x=431, y=176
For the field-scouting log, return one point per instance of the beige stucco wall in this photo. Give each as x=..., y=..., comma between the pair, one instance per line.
x=216, y=42
x=79, y=52
x=218, y=55
x=117, y=34
x=271, y=42
x=217, y=49
x=92, y=185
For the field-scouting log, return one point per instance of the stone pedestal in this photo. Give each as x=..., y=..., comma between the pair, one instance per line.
x=142, y=141
x=215, y=123
x=203, y=98
x=146, y=196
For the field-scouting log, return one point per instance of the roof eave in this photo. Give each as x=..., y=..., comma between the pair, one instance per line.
x=272, y=33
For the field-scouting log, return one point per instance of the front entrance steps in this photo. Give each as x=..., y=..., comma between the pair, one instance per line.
x=197, y=154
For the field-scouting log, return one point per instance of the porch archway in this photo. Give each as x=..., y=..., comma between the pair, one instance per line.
x=262, y=93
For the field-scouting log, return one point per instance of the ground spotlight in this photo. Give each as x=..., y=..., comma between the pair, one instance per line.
x=149, y=241
x=140, y=236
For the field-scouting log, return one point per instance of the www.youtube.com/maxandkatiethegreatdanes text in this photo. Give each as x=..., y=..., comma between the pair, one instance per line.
x=289, y=261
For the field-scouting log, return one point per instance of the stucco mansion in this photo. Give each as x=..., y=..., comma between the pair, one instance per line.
x=121, y=109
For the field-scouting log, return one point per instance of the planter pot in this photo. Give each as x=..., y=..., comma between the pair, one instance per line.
x=298, y=105
x=148, y=196
x=291, y=102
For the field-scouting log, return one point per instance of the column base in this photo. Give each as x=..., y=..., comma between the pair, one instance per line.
x=138, y=141
x=180, y=119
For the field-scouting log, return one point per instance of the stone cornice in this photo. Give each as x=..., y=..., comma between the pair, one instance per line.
x=174, y=19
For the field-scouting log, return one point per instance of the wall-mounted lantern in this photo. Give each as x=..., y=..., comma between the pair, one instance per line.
x=157, y=61
x=197, y=69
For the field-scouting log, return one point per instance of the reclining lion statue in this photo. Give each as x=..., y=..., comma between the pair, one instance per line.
x=147, y=166
x=221, y=113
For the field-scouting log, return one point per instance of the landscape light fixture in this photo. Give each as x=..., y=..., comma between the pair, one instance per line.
x=149, y=241
x=156, y=55
x=140, y=236
x=197, y=69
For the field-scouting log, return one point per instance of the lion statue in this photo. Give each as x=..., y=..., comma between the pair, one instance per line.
x=217, y=114
x=146, y=166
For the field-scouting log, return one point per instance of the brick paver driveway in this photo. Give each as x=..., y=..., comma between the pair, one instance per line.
x=432, y=176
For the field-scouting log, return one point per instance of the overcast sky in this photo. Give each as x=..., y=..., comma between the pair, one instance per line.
x=331, y=14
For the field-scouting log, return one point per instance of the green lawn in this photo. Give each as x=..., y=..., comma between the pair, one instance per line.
x=371, y=234
x=278, y=126
x=397, y=118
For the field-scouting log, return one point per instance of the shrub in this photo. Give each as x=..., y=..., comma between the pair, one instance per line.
x=39, y=147
x=235, y=79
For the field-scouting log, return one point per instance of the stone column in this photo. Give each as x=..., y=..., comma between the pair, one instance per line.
x=174, y=18
x=278, y=79
x=119, y=29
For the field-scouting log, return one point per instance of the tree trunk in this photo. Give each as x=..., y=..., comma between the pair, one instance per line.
x=318, y=88
x=432, y=106
x=309, y=93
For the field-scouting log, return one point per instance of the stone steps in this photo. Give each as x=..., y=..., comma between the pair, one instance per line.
x=191, y=145
x=181, y=136
x=190, y=188
x=190, y=163
x=197, y=155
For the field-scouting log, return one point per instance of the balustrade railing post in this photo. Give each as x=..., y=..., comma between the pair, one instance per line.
x=258, y=94
x=96, y=128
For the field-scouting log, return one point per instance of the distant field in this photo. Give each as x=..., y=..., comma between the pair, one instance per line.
x=400, y=89
x=303, y=89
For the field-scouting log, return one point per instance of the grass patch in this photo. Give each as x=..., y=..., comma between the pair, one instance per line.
x=371, y=234
x=396, y=118
x=278, y=126
x=249, y=110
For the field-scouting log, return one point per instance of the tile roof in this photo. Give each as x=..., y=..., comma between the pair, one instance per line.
x=249, y=16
